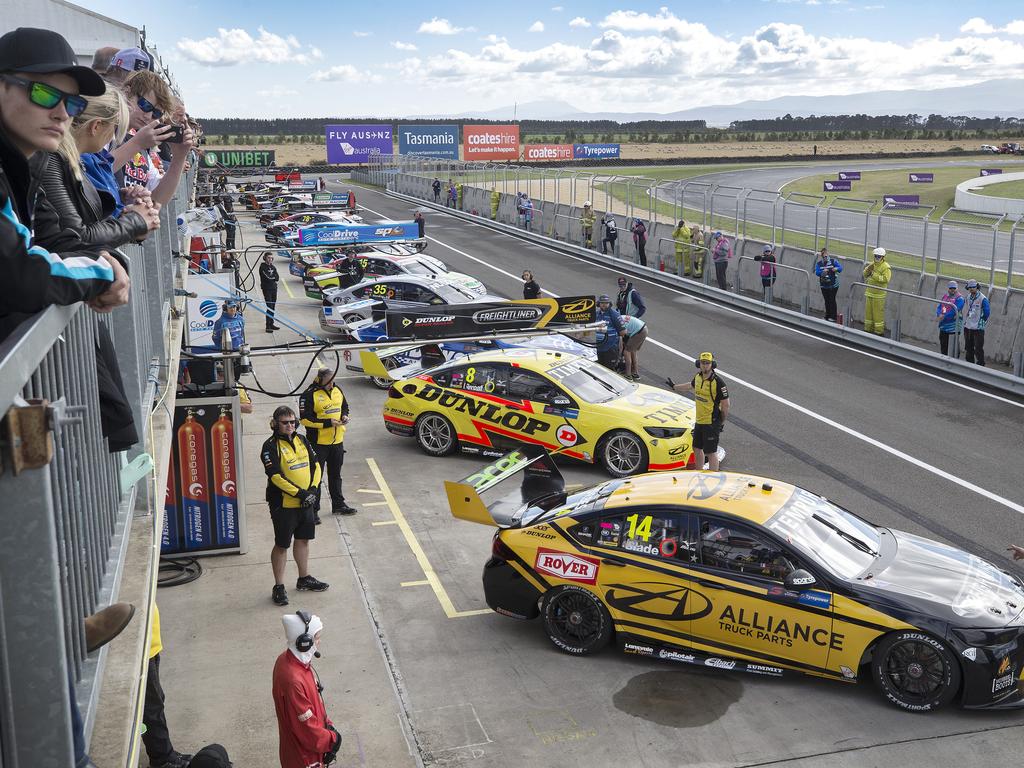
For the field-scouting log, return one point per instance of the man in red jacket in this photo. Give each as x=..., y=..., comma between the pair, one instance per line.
x=307, y=737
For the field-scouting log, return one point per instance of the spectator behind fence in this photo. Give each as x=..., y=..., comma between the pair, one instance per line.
x=767, y=271
x=640, y=240
x=721, y=252
x=948, y=314
x=40, y=84
x=101, y=59
x=611, y=234
x=976, y=312
x=827, y=269
x=124, y=62
x=877, y=275
x=435, y=185
x=698, y=248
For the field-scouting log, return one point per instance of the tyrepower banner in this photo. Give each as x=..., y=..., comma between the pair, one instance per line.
x=429, y=141
x=490, y=142
x=239, y=158
x=339, y=234
x=595, y=151
x=547, y=152
x=473, y=319
x=356, y=143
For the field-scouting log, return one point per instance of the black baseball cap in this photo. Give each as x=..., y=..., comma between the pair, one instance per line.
x=43, y=51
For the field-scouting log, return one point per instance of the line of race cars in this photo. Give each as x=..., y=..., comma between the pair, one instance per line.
x=726, y=570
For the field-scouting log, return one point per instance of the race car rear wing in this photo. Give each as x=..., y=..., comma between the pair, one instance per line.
x=541, y=482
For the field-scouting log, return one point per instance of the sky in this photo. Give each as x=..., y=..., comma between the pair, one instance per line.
x=397, y=59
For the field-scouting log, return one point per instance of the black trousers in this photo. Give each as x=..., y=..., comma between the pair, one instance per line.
x=270, y=296
x=974, y=346
x=156, y=738
x=829, y=295
x=331, y=457
x=641, y=251
x=944, y=342
x=608, y=241
x=720, y=267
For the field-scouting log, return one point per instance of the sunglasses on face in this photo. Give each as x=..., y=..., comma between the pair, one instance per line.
x=288, y=423
x=146, y=106
x=48, y=97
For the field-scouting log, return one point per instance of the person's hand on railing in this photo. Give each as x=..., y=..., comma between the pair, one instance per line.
x=117, y=294
x=149, y=211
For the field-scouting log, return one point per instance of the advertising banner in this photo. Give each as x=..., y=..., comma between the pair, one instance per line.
x=429, y=141
x=202, y=511
x=921, y=178
x=991, y=171
x=898, y=200
x=471, y=319
x=336, y=234
x=202, y=312
x=542, y=152
x=330, y=198
x=595, y=151
x=239, y=158
x=836, y=186
x=355, y=143
x=490, y=142
x=849, y=175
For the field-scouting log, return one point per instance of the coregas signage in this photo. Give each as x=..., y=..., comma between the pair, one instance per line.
x=490, y=142
x=547, y=152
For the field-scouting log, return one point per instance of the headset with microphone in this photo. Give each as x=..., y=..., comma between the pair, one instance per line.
x=705, y=356
x=305, y=641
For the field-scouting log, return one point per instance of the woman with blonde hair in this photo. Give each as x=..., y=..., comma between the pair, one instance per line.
x=79, y=204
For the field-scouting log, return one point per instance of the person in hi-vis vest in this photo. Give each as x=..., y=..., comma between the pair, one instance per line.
x=323, y=411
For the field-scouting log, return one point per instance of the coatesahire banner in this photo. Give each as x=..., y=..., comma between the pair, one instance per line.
x=470, y=319
x=335, y=234
x=355, y=143
x=429, y=141
x=546, y=152
x=490, y=142
x=595, y=151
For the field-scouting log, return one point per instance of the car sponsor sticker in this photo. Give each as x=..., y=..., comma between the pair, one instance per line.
x=565, y=566
x=718, y=663
x=640, y=650
x=970, y=653
x=815, y=599
x=764, y=669
x=567, y=436
x=1002, y=683
x=848, y=673
x=685, y=658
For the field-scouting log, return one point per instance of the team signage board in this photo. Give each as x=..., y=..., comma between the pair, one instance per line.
x=905, y=200
x=836, y=186
x=849, y=175
x=202, y=312
x=921, y=178
x=547, y=152
x=429, y=141
x=596, y=151
x=340, y=234
x=991, y=171
x=356, y=143
x=239, y=158
x=203, y=513
x=330, y=198
x=490, y=142
x=472, y=319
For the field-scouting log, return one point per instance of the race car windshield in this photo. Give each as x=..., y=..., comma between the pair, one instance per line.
x=594, y=383
x=835, y=538
x=414, y=267
x=453, y=294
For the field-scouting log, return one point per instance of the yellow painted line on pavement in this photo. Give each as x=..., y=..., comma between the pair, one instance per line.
x=368, y=490
x=287, y=289
x=422, y=583
x=374, y=504
x=421, y=557
x=384, y=522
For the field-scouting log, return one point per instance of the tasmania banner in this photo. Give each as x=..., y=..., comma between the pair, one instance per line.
x=429, y=140
x=490, y=142
x=547, y=152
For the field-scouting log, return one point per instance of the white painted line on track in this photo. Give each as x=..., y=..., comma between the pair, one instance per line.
x=966, y=484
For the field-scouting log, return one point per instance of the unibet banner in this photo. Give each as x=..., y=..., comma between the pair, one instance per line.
x=595, y=151
x=239, y=158
x=356, y=143
x=547, y=152
x=341, y=234
x=454, y=320
x=490, y=142
x=429, y=141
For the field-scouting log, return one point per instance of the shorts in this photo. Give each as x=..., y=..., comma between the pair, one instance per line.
x=609, y=358
x=634, y=342
x=705, y=437
x=292, y=521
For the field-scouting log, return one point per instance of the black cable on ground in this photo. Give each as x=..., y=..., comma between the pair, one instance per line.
x=259, y=387
x=174, y=573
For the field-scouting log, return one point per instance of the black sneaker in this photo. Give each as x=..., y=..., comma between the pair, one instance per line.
x=344, y=509
x=173, y=760
x=279, y=595
x=316, y=518
x=311, y=584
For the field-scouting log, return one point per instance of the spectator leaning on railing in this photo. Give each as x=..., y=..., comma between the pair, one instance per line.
x=40, y=83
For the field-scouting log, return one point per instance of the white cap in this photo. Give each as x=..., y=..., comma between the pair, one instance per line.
x=878, y=252
x=587, y=203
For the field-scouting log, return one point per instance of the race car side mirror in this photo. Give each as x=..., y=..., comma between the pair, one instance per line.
x=799, y=580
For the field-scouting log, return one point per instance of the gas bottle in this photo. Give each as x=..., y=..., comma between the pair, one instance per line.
x=170, y=537
x=195, y=486
x=225, y=489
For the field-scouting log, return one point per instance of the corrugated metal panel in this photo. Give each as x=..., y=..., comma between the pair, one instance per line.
x=84, y=29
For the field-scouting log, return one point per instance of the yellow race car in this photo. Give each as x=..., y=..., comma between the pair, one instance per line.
x=489, y=401
x=739, y=572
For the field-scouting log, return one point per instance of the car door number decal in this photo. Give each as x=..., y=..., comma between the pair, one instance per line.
x=641, y=529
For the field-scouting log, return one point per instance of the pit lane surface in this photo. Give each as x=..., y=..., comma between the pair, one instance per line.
x=482, y=689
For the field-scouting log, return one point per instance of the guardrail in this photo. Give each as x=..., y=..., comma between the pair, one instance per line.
x=895, y=329
x=805, y=302
x=67, y=514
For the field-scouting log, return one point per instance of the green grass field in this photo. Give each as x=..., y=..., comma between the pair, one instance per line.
x=1014, y=189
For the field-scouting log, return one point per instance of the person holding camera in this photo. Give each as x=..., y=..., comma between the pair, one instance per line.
x=293, y=493
x=712, y=397
x=306, y=736
x=827, y=269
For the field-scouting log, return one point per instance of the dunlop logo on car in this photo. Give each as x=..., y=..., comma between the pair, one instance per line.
x=510, y=315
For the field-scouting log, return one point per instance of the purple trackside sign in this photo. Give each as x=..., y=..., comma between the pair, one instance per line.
x=836, y=186
x=355, y=143
x=920, y=178
x=901, y=200
x=991, y=171
x=849, y=175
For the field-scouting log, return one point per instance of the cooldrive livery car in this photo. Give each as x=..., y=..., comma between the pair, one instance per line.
x=377, y=264
x=491, y=400
x=290, y=224
x=740, y=572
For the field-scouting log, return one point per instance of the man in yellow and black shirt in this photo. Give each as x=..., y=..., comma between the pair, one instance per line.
x=712, y=398
x=293, y=492
x=324, y=413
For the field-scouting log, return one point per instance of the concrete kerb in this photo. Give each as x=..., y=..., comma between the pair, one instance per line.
x=996, y=380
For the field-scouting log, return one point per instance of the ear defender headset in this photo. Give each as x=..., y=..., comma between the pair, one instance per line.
x=305, y=642
x=697, y=362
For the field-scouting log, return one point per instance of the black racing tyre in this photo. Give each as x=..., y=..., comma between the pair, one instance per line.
x=381, y=382
x=622, y=453
x=576, y=620
x=915, y=671
x=436, y=435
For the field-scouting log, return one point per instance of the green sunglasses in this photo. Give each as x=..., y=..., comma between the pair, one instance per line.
x=48, y=97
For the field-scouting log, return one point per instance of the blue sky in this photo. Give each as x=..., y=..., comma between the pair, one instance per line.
x=402, y=58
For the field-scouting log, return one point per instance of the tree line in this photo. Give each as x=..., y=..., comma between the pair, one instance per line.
x=788, y=123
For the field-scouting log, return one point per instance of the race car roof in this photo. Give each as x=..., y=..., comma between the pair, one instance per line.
x=749, y=497
x=538, y=359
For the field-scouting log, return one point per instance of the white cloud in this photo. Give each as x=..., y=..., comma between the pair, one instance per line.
x=438, y=26
x=399, y=45
x=343, y=72
x=277, y=92
x=316, y=53
x=1015, y=27
x=360, y=33
x=236, y=46
x=814, y=2
x=537, y=26
x=579, y=21
x=557, y=8
x=977, y=26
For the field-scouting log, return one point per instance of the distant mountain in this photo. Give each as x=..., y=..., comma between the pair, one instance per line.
x=532, y=110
